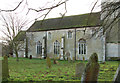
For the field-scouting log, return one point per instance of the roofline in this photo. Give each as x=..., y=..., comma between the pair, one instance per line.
x=65, y=28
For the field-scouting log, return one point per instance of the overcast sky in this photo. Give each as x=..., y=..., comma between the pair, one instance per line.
x=74, y=7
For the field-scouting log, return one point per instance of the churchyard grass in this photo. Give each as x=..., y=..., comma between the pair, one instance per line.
x=37, y=70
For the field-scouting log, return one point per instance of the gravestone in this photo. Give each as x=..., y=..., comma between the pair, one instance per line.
x=69, y=59
x=54, y=61
x=30, y=56
x=79, y=69
x=83, y=58
x=117, y=76
x=91, y=70
x=73, y=59
x=48, y=61
x=5, y=70
x=68, y=56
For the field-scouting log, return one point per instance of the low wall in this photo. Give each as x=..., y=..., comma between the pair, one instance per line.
x=112, y=50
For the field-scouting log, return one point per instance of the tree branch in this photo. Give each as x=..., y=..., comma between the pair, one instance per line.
x=12, y=9
x=49, y=8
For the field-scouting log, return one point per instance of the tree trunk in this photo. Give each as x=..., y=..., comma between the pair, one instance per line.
x=16, y=53
x=26, y=49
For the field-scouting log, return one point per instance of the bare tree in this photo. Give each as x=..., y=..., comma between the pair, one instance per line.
x=12, y=26
x=110, y=16
x=108, y=9
x=45, y=8
x=10, y=10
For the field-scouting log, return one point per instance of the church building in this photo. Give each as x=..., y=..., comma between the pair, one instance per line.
x=74, y=34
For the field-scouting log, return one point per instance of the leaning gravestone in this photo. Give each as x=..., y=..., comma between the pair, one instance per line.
x=91, y=70
x=79, y=69
x=5, y=70
x=117, y=76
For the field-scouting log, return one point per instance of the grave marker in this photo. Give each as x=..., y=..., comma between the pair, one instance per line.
x=30, y=56
x=68, y=56
x=117, y=75
x=79, y=69
x=91, y=70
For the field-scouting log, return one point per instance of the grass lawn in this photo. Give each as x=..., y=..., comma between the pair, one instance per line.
x=36, y=70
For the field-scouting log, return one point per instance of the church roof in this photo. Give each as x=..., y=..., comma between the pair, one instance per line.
x=20, y=36
x=67, y=22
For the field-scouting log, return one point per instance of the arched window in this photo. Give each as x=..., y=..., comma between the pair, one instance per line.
x=69, y=34
x=56, y=47
x=82, y=46
x=39, y=47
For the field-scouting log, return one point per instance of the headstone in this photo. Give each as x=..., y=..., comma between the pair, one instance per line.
x=48, y=61
x=83, y=58
x=30, y=56
x=73, y=59
x=91, y=70
x=5, y=70
x=68, y=56
x=54, y=61
x=60, y=57
x=69, y=59
x=117, y=76
x=57, y=62
x=79, y=69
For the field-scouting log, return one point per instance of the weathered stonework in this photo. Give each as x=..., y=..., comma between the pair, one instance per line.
x=93, y=44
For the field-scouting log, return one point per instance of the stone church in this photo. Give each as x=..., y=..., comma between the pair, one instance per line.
x=74, y=34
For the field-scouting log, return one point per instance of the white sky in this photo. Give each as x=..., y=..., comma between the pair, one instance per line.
x=74, y=7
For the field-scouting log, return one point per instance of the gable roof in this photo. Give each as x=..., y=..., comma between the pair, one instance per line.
x=66, y=22
x=20, y=36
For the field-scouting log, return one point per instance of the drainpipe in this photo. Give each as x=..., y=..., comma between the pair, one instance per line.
x=75, y=44
x=46, y=44
x=105, y=48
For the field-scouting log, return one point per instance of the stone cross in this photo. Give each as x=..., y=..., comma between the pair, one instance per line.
x=79, y=69
x=117, y=76
x=91, y=70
